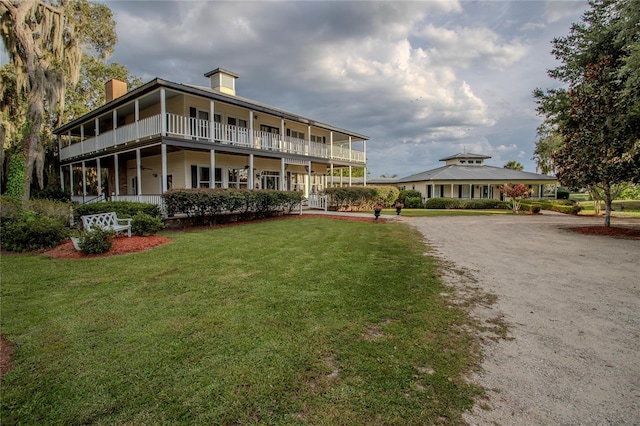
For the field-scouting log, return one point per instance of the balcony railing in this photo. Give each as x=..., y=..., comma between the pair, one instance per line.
x=201, y=130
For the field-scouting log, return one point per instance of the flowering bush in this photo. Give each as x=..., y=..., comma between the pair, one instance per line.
x=516, y=192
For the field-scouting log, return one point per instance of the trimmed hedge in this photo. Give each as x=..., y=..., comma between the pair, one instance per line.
x=561, y=206
x=123, y=209
x=361, y=198
x=209, y=205
x=456, y=203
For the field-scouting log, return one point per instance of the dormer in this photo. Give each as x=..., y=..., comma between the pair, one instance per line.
x=223, y=81
x=465, y=159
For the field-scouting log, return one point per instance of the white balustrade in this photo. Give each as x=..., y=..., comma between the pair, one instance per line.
x=199, y=129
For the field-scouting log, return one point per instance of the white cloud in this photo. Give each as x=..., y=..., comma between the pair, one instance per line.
x=559, y=10
x=464, y=47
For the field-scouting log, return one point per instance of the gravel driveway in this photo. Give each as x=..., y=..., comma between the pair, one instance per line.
x=572, y=305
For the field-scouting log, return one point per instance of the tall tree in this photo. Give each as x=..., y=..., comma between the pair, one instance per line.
x=45, y=40
x=599, y=133
x=89, y=93
x=549, y=141
x=513, y=165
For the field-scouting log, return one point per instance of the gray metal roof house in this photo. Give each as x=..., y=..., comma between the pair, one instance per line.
x=466, y=176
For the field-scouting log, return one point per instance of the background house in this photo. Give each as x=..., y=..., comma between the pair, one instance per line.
x=466, y=176
x=165, y=135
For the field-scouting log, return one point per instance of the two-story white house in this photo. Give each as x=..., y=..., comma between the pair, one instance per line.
x=165, y=135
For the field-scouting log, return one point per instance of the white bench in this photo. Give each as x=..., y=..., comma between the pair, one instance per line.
x=106, y=221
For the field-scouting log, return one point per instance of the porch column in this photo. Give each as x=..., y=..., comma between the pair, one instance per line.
x=97, y=133
x=99, y=173
x=252, y=136
x=350, y=172
x=470, y=191
x=138, y=173
x=212, y=122
x=163, y=160
x=365, y=162
x=309, y=138
x=212, y=168
x=163, y=114
x=282, y=174
x=331, y=147
x=350, y=149
x=71, y=179
x=250, y=182
x=308, y=188
x=114, y=118
x=331, y=174
x=433, y=190
x=282, y=135
x=84, y=181
x=116, y=166
x=451, y=190
x=136, y=118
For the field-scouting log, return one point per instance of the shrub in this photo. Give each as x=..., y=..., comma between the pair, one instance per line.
x=486, y=203
x=11, y=209
x=123, y=209
x=207, y=205
x=413, y=202
x=535, y=208
x=406, y=194
x=562, y=194
x=54, y=194
x=96, y=241
x=475, y=204
x=144, y=224
x=31, y=231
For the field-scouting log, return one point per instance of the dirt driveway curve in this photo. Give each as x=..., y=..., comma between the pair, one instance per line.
x=572, y=304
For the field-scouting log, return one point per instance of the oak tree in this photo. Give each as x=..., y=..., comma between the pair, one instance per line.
x=45, y=41
x=600, y=133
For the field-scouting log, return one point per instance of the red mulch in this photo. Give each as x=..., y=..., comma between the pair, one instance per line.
x=611, y=231
x=121, y=245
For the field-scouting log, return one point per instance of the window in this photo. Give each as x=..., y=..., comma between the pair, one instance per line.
x=217, y=183
x=295, y=134
x=269, y=129
x=318, y=139
x=199, y=123
x=238, y=178
x=204, y=177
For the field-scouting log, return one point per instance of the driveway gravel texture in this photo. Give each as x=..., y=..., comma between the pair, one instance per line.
x=571, y=303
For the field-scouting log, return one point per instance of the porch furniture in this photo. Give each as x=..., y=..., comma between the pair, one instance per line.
x=107, y=221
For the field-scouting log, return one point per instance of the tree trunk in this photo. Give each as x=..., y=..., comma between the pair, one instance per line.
x=608, y=201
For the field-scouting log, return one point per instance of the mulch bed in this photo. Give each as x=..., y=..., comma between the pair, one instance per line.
x=611, y=231
x=121, y=245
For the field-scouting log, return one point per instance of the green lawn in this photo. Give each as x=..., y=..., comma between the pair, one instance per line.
x=621, y=208
x=445, y=212
x=298, y=321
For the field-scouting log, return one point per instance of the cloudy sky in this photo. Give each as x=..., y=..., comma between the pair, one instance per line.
x=422, y=79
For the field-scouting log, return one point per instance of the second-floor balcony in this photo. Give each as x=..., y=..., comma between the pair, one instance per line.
x=207, y=132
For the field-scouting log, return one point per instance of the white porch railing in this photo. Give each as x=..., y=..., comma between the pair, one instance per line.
x=198, y=129
x=149, y=199
x=317, y=201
